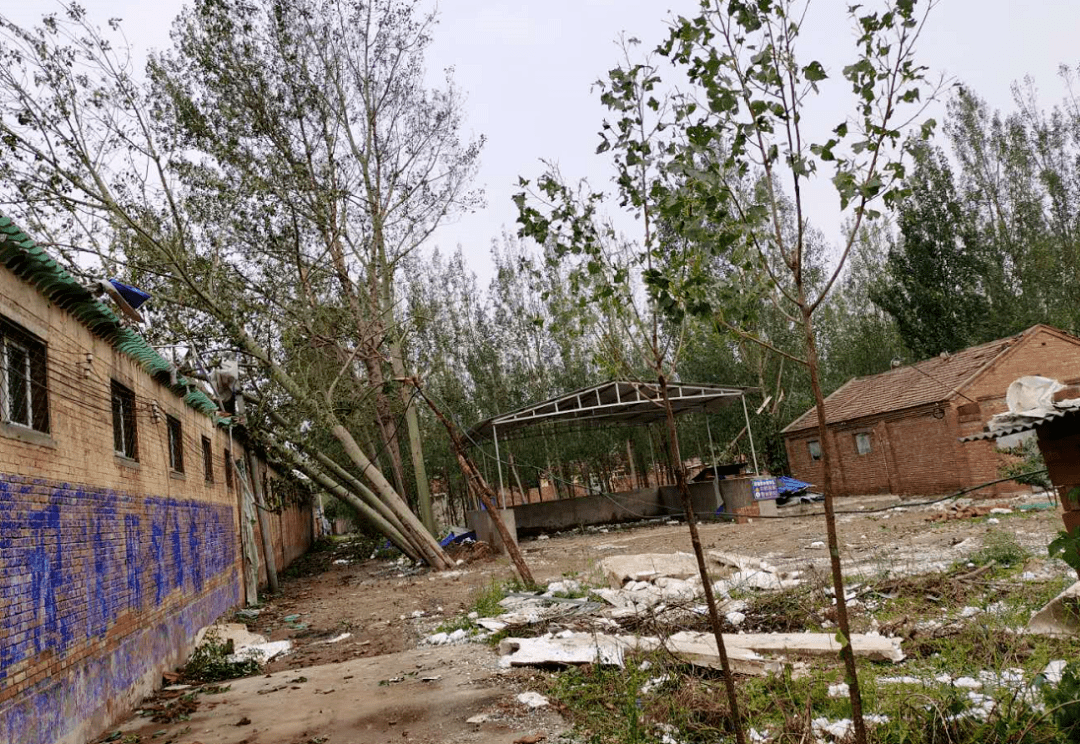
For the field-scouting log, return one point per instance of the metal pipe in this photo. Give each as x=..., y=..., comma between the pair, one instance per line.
x=715, y=472
x=750, y=433
x=498, y=464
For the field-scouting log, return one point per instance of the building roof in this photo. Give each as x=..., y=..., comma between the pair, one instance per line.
x=613, y=403
x=930, y=381
x=27, y=260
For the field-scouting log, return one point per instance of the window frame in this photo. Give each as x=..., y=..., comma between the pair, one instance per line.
x=128, y=435
x=811, y=444
x=175, y=430
x=860, y=437
x=34, y=375
x=208, y=461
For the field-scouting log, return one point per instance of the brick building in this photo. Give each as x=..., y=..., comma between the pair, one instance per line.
x=898, y=432
x=119, y=512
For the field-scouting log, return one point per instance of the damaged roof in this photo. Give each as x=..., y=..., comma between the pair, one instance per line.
x=29, y=261
x=930, y=381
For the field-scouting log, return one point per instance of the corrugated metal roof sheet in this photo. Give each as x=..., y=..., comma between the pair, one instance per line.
x=923, y=383
x=1061, y=410
x=26, y=259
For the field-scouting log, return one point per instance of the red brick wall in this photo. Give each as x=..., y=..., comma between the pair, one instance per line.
x=912, y=454
x=919, y=454
x=108, y=567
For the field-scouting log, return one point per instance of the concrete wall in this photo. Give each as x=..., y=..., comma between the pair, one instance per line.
x=108, y=566
x=612, y=508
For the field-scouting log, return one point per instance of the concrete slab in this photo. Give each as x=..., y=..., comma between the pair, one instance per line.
x=1060, y=616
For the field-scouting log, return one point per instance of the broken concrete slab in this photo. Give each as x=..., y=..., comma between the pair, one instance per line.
x=572, y=649
x=874, y=647
x=1060, y=616
x=619, y=569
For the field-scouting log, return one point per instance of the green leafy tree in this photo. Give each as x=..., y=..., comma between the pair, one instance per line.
x=935, y=275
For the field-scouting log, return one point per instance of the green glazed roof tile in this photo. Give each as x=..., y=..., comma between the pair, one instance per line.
x=20, y=254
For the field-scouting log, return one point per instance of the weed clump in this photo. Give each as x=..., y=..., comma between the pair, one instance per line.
x=1002, y=548
x=210, y=662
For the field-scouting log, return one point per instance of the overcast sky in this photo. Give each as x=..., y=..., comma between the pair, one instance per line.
x=527, y=68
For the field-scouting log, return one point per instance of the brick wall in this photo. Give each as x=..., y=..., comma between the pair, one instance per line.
x=108, y=566
x=911, y=452
x=917, y=453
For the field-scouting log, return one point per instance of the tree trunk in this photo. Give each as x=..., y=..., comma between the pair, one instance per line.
x=414, y=530
x=340, y=492
x=827, y=458
x=416, y=446
x=699, y=553
x=485, y=492
x=264, y=524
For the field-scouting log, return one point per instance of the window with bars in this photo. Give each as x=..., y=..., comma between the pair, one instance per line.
x=24, y=392
x=815, y=449
x=125, y=436
x=208, y=460
x=176, y=444
x=228, y=470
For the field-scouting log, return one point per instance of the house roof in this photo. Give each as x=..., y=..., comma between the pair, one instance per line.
x=29, y=261
x=930, y=381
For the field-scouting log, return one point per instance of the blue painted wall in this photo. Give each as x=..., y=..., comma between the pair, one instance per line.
x=97, y=588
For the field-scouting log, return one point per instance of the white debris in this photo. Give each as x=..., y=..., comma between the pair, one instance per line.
x=899, y=681
x=418, y=613
x=654, y=682
x=338, y=638
x=967, y=683
x=458, y=635
x=262, y=652
x=569, y=586
x=492, y=624
x=1054, y=670
x=532, y=699
x=817, y=545
x=993, y=520
x=839, y=690
x=474, y=615
x=542, y=537
x=1001, y=510
x=970, y=611
x=842, y=729
x=437, y=639
x=342, y=562
x=735, y=618
x=759, y=737
x=482, y=718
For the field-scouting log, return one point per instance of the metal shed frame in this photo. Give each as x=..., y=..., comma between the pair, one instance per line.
x=616, y=403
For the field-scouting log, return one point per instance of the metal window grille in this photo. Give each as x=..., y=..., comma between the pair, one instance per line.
x=208, y=460
x=125, y=435
x=176, y=444
x=24, y=392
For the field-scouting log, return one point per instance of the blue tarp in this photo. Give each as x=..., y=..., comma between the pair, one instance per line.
x=790, y=486
x=132, y=295
x=452, y=538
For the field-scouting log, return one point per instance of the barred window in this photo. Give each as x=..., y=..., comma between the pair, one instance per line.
x=228, y=470
x=176, y=444
x=24, y=393
x=815, y=449
x=208, y=460
x=862, y=444
x=125, y=436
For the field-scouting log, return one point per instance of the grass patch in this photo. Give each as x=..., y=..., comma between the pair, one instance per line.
x=1002, y=548
x=210, y=662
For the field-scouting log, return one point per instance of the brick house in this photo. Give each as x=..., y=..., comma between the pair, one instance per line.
x=898, y=431
x=119, y=507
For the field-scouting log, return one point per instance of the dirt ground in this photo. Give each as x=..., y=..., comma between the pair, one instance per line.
x=378, y=685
